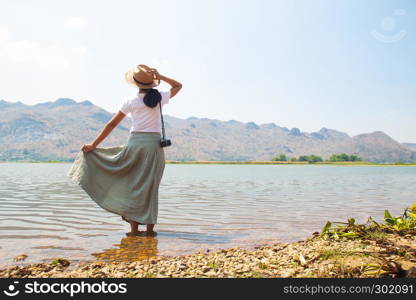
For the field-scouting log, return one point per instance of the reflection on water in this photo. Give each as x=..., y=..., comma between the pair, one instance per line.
x=130, y=249
x=45, y=215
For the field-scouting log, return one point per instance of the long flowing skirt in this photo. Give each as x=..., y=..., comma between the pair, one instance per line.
x=124, y=180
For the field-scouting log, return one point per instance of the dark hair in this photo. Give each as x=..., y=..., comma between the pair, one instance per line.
x=152, y=97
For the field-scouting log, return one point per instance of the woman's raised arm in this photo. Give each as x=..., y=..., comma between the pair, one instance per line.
x=176, y=86
x=117, y=118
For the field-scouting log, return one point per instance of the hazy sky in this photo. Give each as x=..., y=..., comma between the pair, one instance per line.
x=348, y=65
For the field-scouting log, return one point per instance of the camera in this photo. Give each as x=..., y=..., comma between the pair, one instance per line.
x=165, y=142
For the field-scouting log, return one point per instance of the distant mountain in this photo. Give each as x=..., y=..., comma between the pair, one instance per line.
x=56, y=131
x=411, y=146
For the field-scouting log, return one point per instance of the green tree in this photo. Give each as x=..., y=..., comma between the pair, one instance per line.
x=355, y=158
x=281, y=157
x=314, y=158
x=333, y=158
x=303, y=158
x=344, y=157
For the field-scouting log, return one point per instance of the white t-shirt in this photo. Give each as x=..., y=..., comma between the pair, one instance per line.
x=144, y=118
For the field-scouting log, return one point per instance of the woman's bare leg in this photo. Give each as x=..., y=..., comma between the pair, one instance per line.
x=134, y=227
x=149, y=229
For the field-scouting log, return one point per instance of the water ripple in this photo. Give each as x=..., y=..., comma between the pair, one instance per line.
x=45, y=215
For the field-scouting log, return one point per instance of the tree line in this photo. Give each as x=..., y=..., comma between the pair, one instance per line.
x=343, y=157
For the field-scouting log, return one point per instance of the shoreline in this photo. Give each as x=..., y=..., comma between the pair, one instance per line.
x=172, y=162
x=341, y=250
x=384, y=255
x=288, y=163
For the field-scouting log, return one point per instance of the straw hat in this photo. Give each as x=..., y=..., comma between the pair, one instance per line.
x=142, y=77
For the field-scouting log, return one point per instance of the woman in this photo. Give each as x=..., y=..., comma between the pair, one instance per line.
x=125, y=180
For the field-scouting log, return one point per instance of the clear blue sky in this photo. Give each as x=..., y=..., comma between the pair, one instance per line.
x=346, y=64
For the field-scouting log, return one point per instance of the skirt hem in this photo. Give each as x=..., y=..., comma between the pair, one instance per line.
x=123, y=180
x=133, y=218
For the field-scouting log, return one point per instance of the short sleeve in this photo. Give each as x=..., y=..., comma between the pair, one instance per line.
x=126, y=107
x=165, y=97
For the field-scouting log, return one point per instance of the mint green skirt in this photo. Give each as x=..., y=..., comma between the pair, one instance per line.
x=124, y=180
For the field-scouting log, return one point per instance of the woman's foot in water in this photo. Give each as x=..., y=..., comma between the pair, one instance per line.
x=142, y=233
x=150, y=231
x=139, y=233
x=134, y=229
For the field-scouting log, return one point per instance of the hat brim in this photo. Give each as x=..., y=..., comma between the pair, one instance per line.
x=129, y=78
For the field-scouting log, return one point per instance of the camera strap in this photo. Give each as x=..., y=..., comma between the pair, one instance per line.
x=161, y=117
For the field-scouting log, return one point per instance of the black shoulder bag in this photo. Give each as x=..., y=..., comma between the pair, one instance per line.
x=164, y=142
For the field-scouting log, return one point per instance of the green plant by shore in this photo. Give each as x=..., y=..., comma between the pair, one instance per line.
x=402, y=225
x=395, y=234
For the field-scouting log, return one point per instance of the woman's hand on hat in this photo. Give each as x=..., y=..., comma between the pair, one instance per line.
x=154, y=72
x=88, y=148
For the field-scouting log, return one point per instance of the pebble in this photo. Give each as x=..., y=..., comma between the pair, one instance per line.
x=20, y=257
x=299, y=259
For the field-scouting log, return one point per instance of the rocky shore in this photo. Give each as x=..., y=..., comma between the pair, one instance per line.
x=390, y=255
x=349, y=249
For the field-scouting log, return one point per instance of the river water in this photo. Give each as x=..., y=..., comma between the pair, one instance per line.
x=44, y=215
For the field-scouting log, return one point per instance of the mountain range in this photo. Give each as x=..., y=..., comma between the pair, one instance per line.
x=56, y=131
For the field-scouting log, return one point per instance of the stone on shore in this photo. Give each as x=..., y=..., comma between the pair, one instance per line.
x=393, y=256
